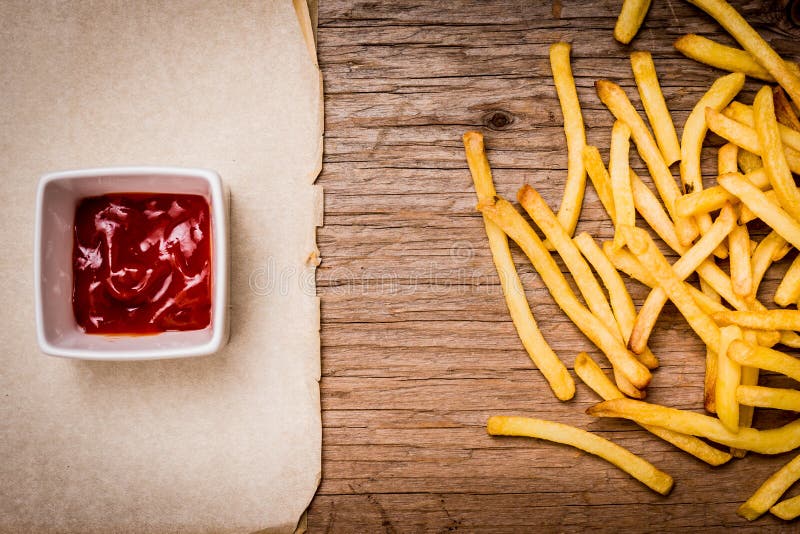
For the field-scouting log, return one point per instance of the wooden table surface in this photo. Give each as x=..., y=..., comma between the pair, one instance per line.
x=417, y=346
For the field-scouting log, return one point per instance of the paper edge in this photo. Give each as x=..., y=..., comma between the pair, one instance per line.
x=306, y=11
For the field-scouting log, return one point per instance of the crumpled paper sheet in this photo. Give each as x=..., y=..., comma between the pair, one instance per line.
x=226, y=443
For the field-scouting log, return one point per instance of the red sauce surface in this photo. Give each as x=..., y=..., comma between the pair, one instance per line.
x=142, y=263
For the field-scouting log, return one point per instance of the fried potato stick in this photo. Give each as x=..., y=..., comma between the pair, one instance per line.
x=635, y=466
x=729, y=375
x=574, y=188
x=764, y=397
x=788, y=291
x=752, y=197
x=773, y=441
x=615, y=99
x=642, y=245
x=503, y=214
x=619, y=170
x=621, y=302
x=772, y=153
x=761, y=320
x=594, y=377
x=630, y=18
x=771, y=490
x=784, y=110
x=723, y=57
x=601, y=181
x=532, y=339
x=644, y=72
x=750, y=40
x=764, y=358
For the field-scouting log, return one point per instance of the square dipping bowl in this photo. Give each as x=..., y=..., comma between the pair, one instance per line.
x=58, y=195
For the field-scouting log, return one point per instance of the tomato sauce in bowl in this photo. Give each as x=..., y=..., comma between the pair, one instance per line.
x=142, y=263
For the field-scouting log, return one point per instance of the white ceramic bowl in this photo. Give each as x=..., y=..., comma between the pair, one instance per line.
x=58, y=195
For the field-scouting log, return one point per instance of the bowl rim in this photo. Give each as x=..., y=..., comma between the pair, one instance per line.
x=220, y=278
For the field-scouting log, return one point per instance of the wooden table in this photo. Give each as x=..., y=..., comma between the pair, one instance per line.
x=418, y=347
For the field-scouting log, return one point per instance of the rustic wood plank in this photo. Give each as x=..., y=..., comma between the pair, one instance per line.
x=417, y=346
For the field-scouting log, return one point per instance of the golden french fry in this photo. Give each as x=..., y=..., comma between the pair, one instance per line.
x=788, y=291
x=546, y=220
x=744, y=114
x=763, y=257
x=640, y=243
x=653, y=213
x=503, y=214
x=773, y=441
x=620, y=106
x=571, y=204
x=788, y=509
x=635, y=466
x=715, y=197
x=619, y=170
x=790, y=339
x=771, y=490
x=621, y=302
x=710, y=381
x=686, y=265
x=752, y=197
x=745, y=137
x=628, y=263
x=720, y=94
x=750, y=40
x=764, y=397
x=749, y=378
x=784, y=110
x=644, y=72
x=729, y=375
x=594, y=377
x=631, y=16
x=727, y=158
x=764, y=358
x=772, y=153
x=532, y=339
x=746, y=215
x=600, y=179
x=761, y=320
x=741, y=271
x=723, y=57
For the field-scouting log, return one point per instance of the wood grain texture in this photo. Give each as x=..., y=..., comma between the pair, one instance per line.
x=418, y=348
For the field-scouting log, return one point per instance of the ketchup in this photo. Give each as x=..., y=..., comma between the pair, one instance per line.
x=142, y=263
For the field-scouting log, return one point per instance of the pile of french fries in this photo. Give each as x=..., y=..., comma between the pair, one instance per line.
x=755, y=181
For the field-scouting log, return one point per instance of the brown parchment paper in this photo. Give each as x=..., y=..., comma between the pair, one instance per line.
x=226, y=443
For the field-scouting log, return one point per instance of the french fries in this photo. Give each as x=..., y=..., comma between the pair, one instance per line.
x=642, y=245
x=630, y=19
x=720, y=94
x=536, y=346
x=574, y=188
x=620, y=106
x=506, y=217
x=773, y=441
x=763, y=140
x=764, y=397
x=750, y=40
x=788, y=291
x=761, y=320
x=600, y=179
x=729, y=375
x=635, y=466
x=772, y=153
x=788, y=509
x=741, y=270
x=763, y=358
x=619, y=170
x=686, y=265
x=723, y=57
x=752, y=197
x=591, y=374
x=621, y=302
x=771, y=490
x=644, y=72
x=745, y=137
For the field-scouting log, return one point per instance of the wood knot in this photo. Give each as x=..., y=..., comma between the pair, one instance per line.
x=498, y=120
x=793, y=12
